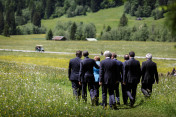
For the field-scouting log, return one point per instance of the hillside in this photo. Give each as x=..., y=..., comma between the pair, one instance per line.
x=105, y=17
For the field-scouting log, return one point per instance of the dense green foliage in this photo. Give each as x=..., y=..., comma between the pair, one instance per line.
x=49, y=35
x=75, y=31
x=142, y=33
x=145, y=8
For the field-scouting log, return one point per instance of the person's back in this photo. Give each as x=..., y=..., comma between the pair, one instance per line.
x=96, y=72
x=133, y=71
x=149, y=75
x=111, y=69
x=74, y=67
x=87, y=69
x=73, y=73
x=149, y=71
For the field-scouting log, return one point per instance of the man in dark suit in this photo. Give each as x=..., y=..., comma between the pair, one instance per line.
x=149, y=75
x=109, y=76
x=73, y=73
x=124, y=93
x=119, y=63
x=132, y=74
x=86, y=76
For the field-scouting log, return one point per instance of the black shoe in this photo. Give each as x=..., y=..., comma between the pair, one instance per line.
x=114, y=107
x=118, y=103
x=132, y=103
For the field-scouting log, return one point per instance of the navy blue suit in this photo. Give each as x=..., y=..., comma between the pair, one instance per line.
x=73, y=74
x=124, y=93
x=109, y=76
x=86, y=76
x=149, y=76
x=120, y=74
x=132, y=74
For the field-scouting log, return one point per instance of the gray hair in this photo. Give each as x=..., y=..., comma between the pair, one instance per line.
x=107, y=54
x=149, y=56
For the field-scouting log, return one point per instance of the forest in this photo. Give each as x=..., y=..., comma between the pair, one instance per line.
x=14, y=14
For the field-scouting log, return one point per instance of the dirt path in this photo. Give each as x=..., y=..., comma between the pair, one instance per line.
x=12, y=50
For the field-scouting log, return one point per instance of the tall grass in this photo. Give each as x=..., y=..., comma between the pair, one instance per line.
x=33, y=90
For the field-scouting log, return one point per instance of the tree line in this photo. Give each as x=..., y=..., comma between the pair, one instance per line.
x=73, y=30
x=146, y=8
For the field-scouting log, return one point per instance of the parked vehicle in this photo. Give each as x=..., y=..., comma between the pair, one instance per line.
x=39, y=48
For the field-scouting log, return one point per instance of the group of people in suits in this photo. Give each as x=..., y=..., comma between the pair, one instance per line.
x=109, y=73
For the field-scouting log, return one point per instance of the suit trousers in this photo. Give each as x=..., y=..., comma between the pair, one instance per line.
x=84, y=90
x=124, y=93
x=110, y=88
x=76, y=88
x=131, y=91
x=117, y=92
x=96, y=92
x=146, y=88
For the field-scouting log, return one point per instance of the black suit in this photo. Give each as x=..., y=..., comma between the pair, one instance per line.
x=120, y=74
x=86, y=76
x=132, y=74
x=73, y=74
x=109, y=76
x=149, y=76
x=124, y=93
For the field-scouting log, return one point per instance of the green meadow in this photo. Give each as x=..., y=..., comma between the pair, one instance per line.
x=103, y=18
x=36, y=84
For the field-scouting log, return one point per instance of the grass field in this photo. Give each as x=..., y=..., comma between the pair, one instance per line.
x=28, y=42
x=36, y=84
x=105, y=17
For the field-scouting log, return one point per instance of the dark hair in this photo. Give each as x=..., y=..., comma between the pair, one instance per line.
x=78, y=53
x=114, y=55
x=132, y=54
x=126, y=57
x=85, y=53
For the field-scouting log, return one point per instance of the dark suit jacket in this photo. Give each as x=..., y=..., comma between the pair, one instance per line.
x=74, y=67
x=109, y=71
x=120, y=64
x=132, y=72
x=149, y=72
x=86, y=70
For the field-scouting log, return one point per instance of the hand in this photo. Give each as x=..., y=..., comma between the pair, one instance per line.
x=124, y=83
x=79, y=83
x=100, y=83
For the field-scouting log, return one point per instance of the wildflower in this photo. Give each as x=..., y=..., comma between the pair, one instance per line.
x=65, y=103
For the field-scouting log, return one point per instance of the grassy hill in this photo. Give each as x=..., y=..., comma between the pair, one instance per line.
x=105, y=17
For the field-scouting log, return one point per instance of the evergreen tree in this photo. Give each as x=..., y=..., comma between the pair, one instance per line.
x=108, y=29
x=138, y=13
x=1, y=22
x=94, y=5
x=10, y=19
x=49, y=35
x=48, y=10
x=73, y=31
x=123, y=20
x=37, y=19
x=6, y=30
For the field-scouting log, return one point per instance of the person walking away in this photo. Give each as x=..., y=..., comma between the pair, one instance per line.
x=96, y=84
x=114, y=57
x=109, y=70
x=86, y=76
x=73, y=73
x=132, y=74
x=149, y=75
x=124, y=93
